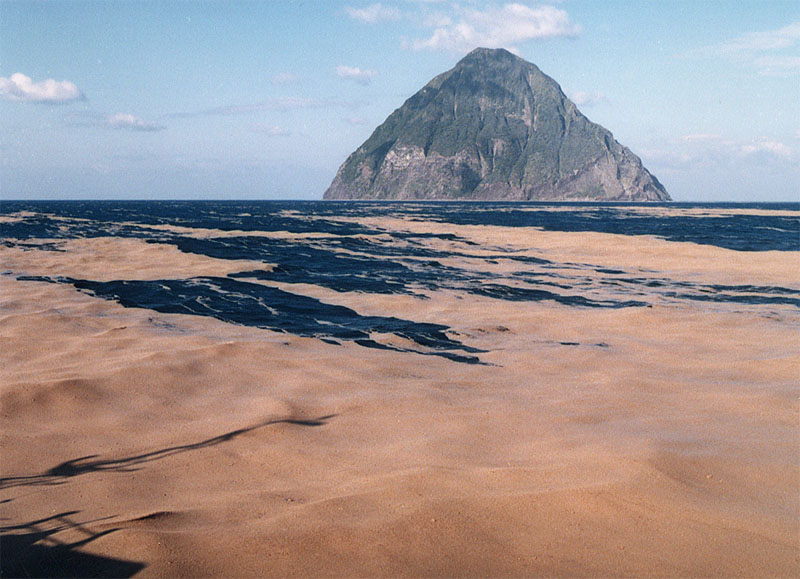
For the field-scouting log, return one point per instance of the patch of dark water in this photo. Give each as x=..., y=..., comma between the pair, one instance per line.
x=257, y=305
x=520, y=294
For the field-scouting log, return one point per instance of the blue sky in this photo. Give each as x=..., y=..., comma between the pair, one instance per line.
x=264, y=100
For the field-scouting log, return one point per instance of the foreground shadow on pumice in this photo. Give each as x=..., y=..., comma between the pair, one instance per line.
x=32, y=550
x=83, y=465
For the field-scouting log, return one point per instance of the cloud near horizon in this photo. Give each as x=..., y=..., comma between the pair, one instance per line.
x=355, y=74
x=21, y=88
x=495, y=27
x=759, y=145
x=708, y=150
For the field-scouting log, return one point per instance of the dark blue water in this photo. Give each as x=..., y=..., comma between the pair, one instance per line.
x=741, y=232
x=347, y=255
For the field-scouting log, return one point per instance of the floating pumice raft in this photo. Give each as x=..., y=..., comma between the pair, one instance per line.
x=360, y=389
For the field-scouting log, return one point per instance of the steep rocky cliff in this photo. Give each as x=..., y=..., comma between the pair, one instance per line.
x=493, y=127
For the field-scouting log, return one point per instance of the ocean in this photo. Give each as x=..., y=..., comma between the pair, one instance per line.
x=364, y=247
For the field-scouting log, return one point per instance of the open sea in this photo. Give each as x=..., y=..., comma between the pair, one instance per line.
x=343, y=246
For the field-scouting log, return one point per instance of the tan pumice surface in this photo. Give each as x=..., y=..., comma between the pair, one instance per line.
x=655, y=441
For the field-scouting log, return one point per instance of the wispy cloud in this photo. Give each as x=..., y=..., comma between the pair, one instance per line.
x=130, y=122
x=356, y=74
x=120, y=121
x=756, y=42
x=771, y=52
x=493, y=27
x=281, y=104
x=21, y=88
x=373, y=13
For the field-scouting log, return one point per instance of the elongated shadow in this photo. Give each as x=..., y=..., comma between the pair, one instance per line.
x=33, y=550
x=88, y=464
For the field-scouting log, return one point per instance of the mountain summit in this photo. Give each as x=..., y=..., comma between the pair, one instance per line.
x=493, y=127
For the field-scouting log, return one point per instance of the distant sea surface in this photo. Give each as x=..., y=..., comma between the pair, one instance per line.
x=365, y=247
x=743, y=227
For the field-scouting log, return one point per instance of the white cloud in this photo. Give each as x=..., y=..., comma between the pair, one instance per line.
x=771, y=52
x=495, y=27
x=356, y=74
x=774, y=148
x=19, y=87
x=588, y=99
x=373, y=13
x=132, y=123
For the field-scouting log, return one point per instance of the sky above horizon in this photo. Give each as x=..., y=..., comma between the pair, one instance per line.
x=264, y=100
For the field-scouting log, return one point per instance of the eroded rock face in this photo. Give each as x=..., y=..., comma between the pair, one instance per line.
x=493, y=127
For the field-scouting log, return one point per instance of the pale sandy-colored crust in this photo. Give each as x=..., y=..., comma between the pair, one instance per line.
x=657, y=441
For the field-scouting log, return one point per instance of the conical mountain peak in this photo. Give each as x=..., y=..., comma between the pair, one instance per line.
x=493, y=127
x=490, y=53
